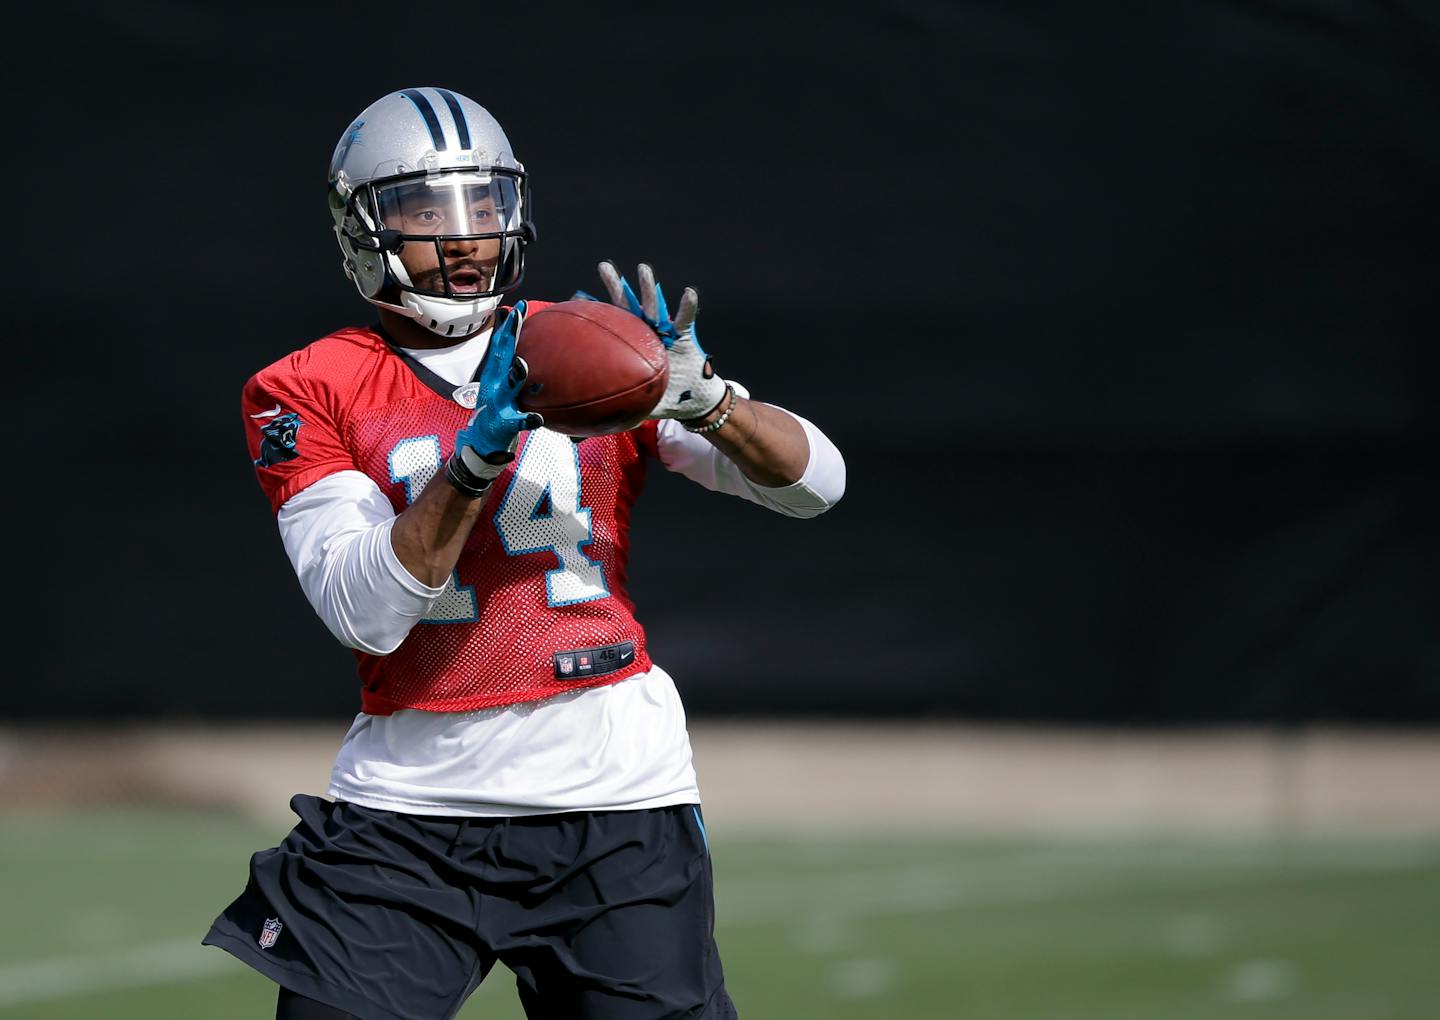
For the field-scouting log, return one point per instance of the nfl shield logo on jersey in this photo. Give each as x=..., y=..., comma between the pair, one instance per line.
x=270, y=933
x=567, y=663
x=468, y=395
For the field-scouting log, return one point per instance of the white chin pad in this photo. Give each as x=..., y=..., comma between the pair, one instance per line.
x=447, y=317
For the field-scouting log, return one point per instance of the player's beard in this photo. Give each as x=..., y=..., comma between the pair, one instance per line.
x=475, y=277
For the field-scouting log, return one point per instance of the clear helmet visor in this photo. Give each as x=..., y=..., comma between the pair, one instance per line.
x=461, y=232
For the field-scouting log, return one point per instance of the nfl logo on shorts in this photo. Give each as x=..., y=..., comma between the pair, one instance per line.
x=270, y=933
x=567, y=663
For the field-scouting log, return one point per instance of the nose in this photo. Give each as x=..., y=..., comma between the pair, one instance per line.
x=460, y=247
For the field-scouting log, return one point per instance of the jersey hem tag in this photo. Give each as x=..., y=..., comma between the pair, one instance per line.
x=583, y=663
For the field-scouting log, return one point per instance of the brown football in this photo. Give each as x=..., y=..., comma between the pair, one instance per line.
x=595, y=369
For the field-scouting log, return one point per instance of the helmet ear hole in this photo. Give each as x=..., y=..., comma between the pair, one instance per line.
x=369, y=273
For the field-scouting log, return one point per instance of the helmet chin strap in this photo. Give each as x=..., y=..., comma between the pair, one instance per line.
x=447, y=317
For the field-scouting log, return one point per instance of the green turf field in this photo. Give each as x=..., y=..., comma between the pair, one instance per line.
x=103, y=915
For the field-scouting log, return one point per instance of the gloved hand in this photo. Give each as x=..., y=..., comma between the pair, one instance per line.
x=694, y=389
x=487, y=443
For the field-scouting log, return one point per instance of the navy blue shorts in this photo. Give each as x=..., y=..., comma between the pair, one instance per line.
x=394, y=916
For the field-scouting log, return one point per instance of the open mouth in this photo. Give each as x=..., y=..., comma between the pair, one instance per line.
x=466, y=281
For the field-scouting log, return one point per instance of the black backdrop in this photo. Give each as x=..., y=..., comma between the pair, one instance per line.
x=1122, y=314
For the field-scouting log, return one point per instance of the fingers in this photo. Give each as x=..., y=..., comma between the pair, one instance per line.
x=511, y=326
x=519, y=372
x=517, y=420
x=648, y=299
x=502, y=340
x=511, y=413
x=689, y=308
x=500, y=359
x=652, y=298
x=610, y=276
x=521, y=420
x=650, y=305
x=631, y=301
x=619, y=289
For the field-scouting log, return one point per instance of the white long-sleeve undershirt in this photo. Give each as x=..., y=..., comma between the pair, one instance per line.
x=618, y=746
x=337, y=534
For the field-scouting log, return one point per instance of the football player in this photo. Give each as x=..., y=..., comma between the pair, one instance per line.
x=517, y=785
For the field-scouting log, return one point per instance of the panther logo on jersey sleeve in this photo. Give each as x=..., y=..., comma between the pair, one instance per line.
x=278, y=430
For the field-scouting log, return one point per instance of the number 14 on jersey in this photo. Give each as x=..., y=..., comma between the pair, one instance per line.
x=541, y=512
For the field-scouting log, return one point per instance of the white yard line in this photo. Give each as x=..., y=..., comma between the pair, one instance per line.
x=870, y=892
x=154, y=963
x=881, y=892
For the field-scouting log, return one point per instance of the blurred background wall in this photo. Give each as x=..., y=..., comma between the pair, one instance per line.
x=1123, y=316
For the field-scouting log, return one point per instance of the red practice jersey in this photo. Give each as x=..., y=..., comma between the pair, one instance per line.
x=537, y=603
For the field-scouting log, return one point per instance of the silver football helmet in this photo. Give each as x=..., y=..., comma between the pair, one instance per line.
x=429, y=173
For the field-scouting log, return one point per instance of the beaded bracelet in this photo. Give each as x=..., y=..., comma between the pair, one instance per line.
x=720, y=420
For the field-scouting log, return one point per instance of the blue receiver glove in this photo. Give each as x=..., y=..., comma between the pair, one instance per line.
x=487, y=443
x=694, y=390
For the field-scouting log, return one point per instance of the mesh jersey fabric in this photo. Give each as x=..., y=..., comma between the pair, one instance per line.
x=543, y=571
